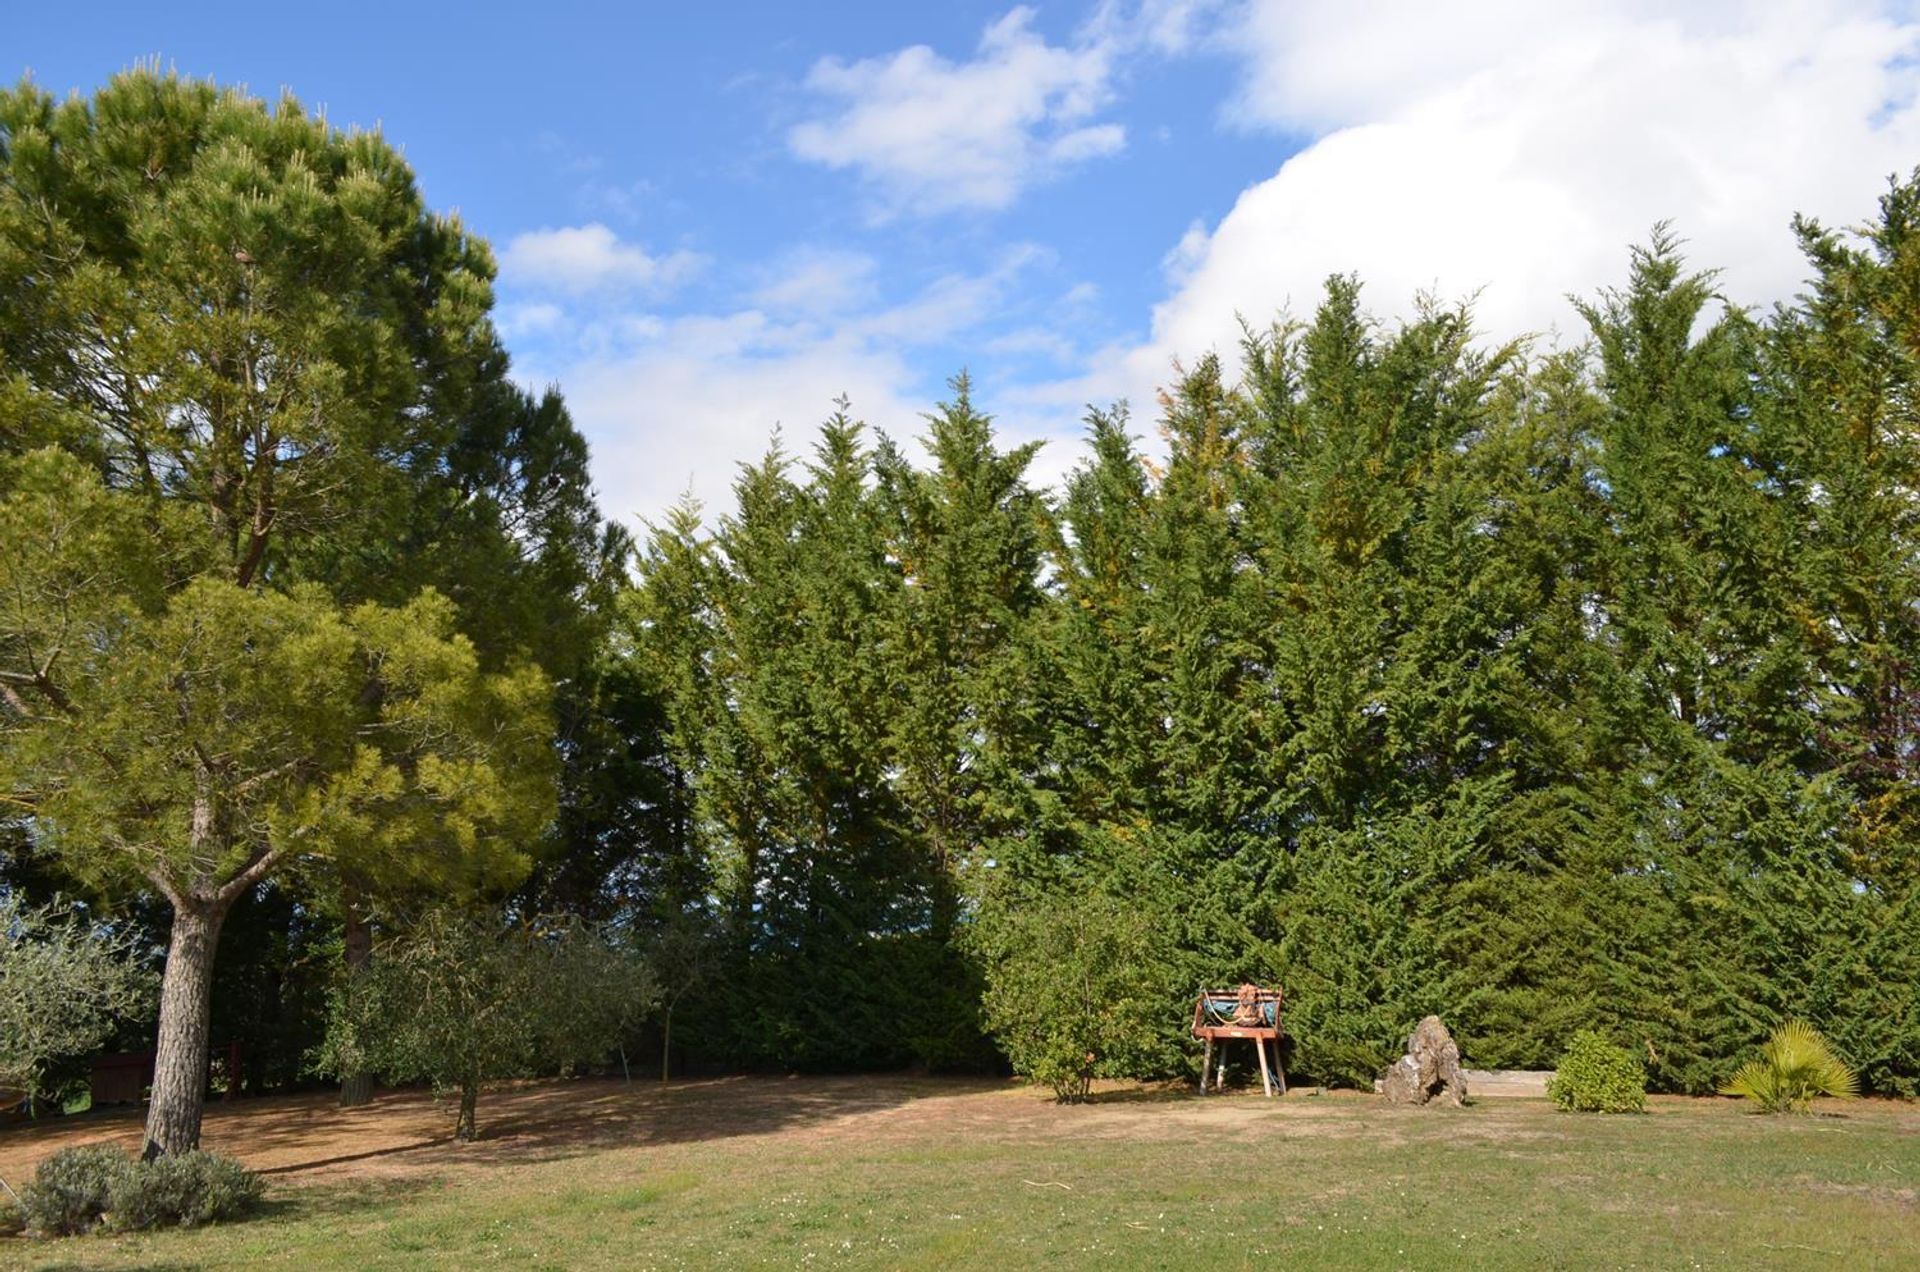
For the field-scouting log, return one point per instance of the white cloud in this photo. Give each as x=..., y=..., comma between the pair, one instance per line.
x=818, y=281
x=672, y=405
x=520, y=320
x=953, y=302
x=1513, y=150
x=1517, y=149
x=1081, y=297
x=932, y=135
x=681, y=413
x=575, y=260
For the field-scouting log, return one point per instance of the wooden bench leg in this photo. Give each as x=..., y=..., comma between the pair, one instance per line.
x=1205, y=1066
x=1266, y=1079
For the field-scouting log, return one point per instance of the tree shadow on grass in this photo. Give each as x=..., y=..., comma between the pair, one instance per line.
x=1155, y=1093
x=339, y=1200
x=563, y=1119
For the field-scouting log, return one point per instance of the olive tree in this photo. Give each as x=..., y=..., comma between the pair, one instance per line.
x=460, y=999
x=65, y=980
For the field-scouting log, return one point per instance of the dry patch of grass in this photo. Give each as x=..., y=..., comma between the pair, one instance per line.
x=898, y=1172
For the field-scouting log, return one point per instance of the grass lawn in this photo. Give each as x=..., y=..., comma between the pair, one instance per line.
x=896, y=1172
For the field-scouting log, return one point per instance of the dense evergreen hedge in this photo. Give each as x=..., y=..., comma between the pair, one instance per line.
x=1545, y=690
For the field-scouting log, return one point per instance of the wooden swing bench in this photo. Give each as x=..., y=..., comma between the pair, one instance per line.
x=1248, y=1012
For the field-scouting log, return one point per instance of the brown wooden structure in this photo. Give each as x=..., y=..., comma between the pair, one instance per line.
x=123, y=1078
x=1247, y=1012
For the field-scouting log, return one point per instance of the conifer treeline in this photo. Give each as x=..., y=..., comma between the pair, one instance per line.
x=1541, y=690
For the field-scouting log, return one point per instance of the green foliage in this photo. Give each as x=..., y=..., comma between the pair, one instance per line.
x=286, y=502
x=78, y=1189
x=1597, y=1076
x=1795, y=1066
x=1424, y=675
x=457, y=1000
x=64, y=983
x=185, y=1190
x=1416, y=672
x=1077, y=988
x=293, y=315
x=73, y=1189
x=195, y=740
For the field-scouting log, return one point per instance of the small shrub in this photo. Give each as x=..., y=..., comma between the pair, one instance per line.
x=189, y=1189
x=78, y=1189
x=1073, y=989
x=73, y=1188
x=1794, y=1066
x=1595, y=1076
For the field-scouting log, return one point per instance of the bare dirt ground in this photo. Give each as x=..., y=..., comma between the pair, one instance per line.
x=309, y=1138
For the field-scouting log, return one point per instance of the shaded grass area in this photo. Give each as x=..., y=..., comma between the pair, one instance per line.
x=924, y=1174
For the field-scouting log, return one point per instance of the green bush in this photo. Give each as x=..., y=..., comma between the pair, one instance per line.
x=1074, y=989
x=79, y=1189
x=1796, y=1065
x=73, y=1188
x=1595, y=1076
x=188, y=1190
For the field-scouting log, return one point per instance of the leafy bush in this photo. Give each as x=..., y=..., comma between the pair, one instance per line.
x=462, y=998
x=1794, y=1066
x=77, y=1189
x=73, y=1188
x=1073, y=991
x=13, y=1220
x=64, y=981
x=1595, y=1076
x=187, y=1189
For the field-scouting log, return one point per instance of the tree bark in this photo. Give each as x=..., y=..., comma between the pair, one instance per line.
x=463, y=1130
x=357, y=939
x=180, y=1055
x=666, y=1042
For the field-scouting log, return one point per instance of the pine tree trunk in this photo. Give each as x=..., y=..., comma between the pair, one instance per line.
x=666, y=1042
x=357, y=939
x=186, y=1002
x=463, y=1129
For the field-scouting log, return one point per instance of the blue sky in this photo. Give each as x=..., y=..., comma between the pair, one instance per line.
x=710, y=221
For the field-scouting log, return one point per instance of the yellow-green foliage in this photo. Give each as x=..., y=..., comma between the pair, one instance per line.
x=1794, y=1066
x=1596, y=1076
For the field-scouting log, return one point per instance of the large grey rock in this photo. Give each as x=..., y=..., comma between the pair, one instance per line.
x=1430, y=1071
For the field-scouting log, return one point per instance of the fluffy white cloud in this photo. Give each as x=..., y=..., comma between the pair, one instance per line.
x=818, y=281
x=679, y=414
x=1517, y=149
x=1510, y=150
x=518, y=321
x=933, y=135
x=578, y=259
x=674, y=405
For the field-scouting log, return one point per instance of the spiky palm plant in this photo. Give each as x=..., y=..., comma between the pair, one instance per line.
x=1794, y=1066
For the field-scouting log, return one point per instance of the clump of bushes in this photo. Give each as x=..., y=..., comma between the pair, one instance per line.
x=1073, y=989
x=1794, y=1066
x=185, y=1190
x=1597, y=1076
x=98, y=1186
